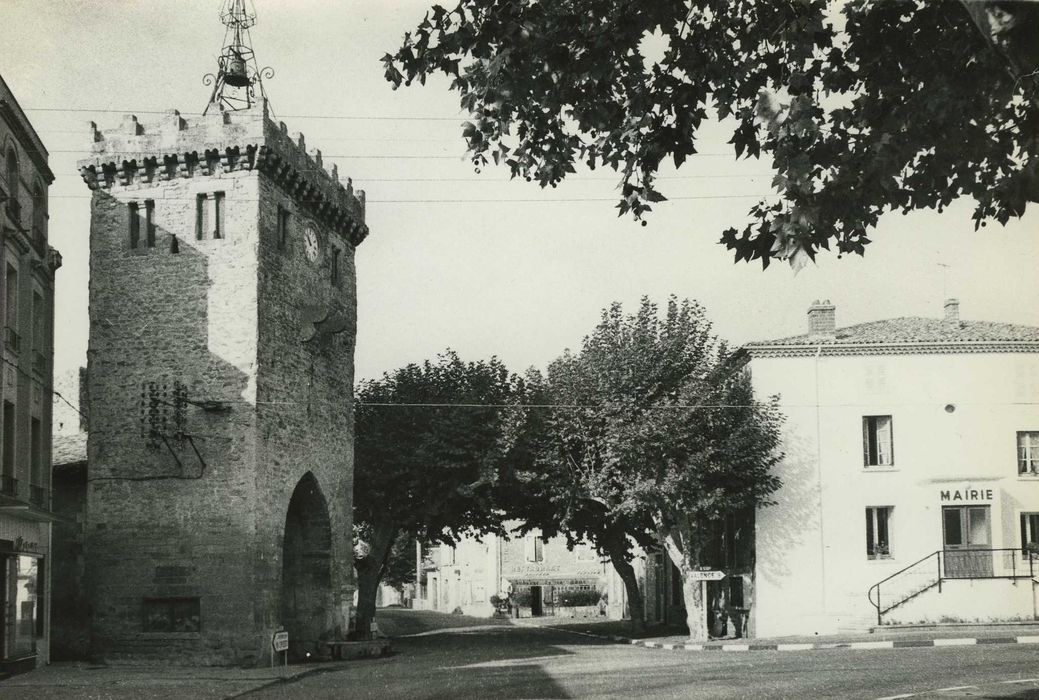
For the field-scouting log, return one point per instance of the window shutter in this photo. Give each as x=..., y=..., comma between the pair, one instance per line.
x=528, y=548
x=884, y=447
x=865, y=440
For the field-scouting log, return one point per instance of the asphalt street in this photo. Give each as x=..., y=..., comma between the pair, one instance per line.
x=522, y=662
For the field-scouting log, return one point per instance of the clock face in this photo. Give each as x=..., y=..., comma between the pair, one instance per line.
x=310, y=245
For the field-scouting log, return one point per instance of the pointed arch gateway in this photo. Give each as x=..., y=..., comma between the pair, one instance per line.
x=306, y=582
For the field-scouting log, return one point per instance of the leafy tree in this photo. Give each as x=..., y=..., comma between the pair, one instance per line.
x=429, y=444
x=656, y=421
x=863, y=107
x=546, y=490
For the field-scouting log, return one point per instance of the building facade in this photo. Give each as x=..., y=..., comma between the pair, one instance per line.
x=220, y=375
x=28, y=272
x=542, y=576
x=910, y=478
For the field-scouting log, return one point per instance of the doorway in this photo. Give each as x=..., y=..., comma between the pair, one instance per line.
x=306, y=581
x=537, y=608
x=967, y=536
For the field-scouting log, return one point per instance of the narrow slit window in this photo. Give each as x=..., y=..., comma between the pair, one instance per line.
x=200, y=217
x=218, y=215
x=283, y=226
x=135, y=224
x=149, y=223
x=335, y=265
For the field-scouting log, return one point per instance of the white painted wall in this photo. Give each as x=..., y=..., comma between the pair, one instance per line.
x=812, y=571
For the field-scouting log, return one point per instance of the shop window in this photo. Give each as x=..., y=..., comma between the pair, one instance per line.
x=23, y=579
x=1029, y=533
x=533, y=548
x=133, y=211
x=172, y=615
x=877, y=443
x=878, y=532
x=1028, y=453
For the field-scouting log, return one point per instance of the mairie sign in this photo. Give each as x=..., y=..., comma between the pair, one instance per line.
x=706, y=575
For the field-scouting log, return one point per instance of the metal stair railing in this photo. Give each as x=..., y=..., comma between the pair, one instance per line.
x=907, y=583
x=951, y=565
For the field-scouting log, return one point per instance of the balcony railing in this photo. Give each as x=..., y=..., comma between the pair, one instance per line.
x=39, y=363
x=38, y=496
x=9, y=485
x=12, y=341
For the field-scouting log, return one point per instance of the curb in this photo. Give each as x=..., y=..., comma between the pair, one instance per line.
x=808, y=646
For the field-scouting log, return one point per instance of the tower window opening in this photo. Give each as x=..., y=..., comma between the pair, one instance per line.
x=174, y=245
x=149, y=222
x=218, y=215
x=200, y=217
x=284, y=217
x=133, y=212
x=335, y=265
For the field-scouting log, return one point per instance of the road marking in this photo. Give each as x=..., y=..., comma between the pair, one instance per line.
x=952, y=687
x=1028, y=640
x=736, y=647
x=961, y=642
x=693, y=647
x=958, y=687
x=794, y=647
x=1023, y=680
x=871, y=645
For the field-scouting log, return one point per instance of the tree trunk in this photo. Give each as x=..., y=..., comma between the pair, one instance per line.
x=636, y=606
x=681, y=546
x=369, y=574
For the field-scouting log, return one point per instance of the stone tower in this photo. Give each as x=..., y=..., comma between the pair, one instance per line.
x=222, y=328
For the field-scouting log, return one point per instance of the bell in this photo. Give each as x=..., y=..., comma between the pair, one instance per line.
x=235, y=72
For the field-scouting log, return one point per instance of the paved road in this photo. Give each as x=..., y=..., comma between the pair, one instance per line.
x=518, y=662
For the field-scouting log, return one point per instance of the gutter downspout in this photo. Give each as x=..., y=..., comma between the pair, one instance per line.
x=819, y=477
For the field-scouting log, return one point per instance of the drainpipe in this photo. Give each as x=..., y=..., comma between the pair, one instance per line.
x=819, y=477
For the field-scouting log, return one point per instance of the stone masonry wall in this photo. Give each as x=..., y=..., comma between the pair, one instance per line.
x=220, y=384
x=163, y=520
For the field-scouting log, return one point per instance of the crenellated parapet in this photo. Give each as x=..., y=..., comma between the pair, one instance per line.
x=136, y=154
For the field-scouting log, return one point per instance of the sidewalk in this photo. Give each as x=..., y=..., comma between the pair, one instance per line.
x=65, y=681
x=893, y=638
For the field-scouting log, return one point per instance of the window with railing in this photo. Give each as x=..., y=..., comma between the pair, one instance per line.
x=1028, y=452
x=11, y=338
x=878, y=533
x=8, y=482
x=1030, y=533
x=14, y=207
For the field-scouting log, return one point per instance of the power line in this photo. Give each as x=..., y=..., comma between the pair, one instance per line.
x=347, y=117
x=520, y=200
x=378, y=156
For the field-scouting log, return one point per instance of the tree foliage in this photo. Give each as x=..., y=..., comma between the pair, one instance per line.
x=656, y=430
x=863, y=107
x=430, y=441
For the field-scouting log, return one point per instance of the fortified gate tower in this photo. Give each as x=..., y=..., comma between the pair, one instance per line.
x=222, y=327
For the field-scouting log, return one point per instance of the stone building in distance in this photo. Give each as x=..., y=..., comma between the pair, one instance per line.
x=28, y=270
x=222, y=325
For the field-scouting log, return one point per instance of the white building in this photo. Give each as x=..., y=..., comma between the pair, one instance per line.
x=910, y=444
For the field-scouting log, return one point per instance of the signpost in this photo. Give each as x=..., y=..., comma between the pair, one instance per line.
x=280, y=643
x=703, y=576
x=707, y=575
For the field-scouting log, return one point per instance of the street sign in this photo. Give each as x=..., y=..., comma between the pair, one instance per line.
x=706, y=575
x=281, y=641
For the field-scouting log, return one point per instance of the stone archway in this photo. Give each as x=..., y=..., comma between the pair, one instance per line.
x=306, y=581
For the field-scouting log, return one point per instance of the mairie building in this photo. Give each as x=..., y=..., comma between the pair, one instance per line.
x=910, y=477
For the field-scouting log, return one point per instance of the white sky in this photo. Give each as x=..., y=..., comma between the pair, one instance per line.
x=522, y=275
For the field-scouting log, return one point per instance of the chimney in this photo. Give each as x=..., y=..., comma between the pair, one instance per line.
x=822, y=320
x=952, y=312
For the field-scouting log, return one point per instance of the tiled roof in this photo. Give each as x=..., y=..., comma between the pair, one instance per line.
x=69, y=449
x=912, y=330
